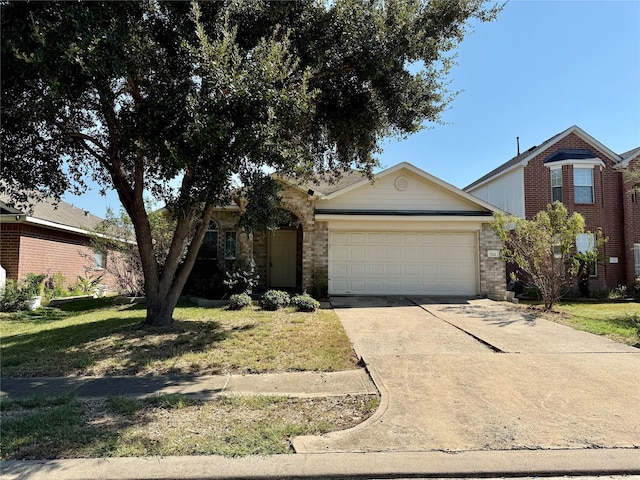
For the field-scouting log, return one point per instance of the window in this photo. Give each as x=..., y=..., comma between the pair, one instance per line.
x=230, y=245
x=586, y=242
x=209, y=247
x=100, y=260
x=556, y=185
x=636, y=256
x=583, y=185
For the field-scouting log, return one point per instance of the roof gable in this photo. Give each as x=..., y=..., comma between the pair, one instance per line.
x=523, y=159
x=403, y=188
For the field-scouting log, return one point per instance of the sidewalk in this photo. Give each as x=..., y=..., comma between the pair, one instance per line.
x=297, y=384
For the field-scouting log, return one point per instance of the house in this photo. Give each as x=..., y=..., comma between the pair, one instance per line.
x=49, y=239
x=586, y=176
x=406, y=233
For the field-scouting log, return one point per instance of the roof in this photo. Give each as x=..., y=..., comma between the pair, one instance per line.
x=523, y=158
x=628, y=157
x=62, y=215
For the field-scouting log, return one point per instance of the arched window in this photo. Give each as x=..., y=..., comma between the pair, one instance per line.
x=209, y=247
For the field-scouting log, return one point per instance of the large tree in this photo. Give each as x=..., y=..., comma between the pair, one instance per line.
x=185, y=101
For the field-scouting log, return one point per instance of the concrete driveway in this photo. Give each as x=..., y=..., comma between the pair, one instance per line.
x=459, y=375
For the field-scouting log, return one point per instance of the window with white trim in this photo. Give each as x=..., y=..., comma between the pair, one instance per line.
x=636, y=256
x=556, y=185
x=230, y=245
x=586, y=242
x=209, y=247
x=100, y=260
x=583, y=185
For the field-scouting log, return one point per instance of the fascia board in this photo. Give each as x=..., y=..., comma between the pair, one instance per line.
x=391, y=218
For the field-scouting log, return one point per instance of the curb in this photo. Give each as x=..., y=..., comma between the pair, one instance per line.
x=505, y=463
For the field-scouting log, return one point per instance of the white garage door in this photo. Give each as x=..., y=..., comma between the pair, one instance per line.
x=403, y=263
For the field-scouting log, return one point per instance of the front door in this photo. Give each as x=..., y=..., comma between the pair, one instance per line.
x=282, y=261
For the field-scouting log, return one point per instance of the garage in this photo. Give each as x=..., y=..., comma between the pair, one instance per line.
x=403, y=263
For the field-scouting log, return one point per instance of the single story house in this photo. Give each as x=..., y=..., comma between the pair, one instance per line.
x=407, y=233
x=50, y=239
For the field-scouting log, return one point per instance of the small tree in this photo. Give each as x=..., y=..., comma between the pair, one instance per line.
x=543, y=248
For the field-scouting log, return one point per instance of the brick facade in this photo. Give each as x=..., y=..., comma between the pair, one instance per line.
x=313, y=249
x=631, y=210
x=606, y=212
x=492, y=269
x=28, y=248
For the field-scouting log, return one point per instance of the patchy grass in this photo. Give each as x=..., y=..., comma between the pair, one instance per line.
x=94, y=338
x=65, y=427
x=618, y=321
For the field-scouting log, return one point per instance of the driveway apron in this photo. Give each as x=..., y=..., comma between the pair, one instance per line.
x=458, y=374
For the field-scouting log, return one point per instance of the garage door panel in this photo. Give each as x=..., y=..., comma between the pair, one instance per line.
x=403, y=263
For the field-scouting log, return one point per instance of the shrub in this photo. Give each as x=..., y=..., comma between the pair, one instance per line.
x=239, y=301
x=319, y=288
x=11, y=298
x=243, y=277
x=275, y=299
x=305, y=303
x=33, y=284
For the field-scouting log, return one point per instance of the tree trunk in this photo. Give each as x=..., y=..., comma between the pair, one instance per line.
x=159, y=312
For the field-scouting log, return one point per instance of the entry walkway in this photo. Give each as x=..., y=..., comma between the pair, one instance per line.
x=481, y=375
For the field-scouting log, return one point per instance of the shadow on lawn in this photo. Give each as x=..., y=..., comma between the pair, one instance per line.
x=75, y=349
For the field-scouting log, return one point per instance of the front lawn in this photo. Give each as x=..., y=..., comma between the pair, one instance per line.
x=95, y=338
x=617, y=321
x=66, y=427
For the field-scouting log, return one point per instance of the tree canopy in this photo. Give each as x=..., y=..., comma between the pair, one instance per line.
x=187, y=100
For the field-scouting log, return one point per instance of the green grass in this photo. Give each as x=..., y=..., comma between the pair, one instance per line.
x=65, y=427
x=90, y=337
x=618, y=321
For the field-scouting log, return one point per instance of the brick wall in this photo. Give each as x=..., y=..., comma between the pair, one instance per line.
x=493, y=280
x=33, y=249
x=606, y=212
x=631, y=208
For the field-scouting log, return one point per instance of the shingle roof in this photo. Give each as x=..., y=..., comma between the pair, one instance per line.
x=514, y=161
x=64, y=213
x=630, y=153
x=330, y=182
x=537, y=149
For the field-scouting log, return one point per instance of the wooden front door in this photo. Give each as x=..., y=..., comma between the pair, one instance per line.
x=282, y=261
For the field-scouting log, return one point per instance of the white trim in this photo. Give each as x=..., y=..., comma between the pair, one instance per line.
x=404, y=218
x=580, y=163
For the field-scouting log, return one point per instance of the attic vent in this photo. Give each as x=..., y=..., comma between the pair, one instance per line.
x=402, y=183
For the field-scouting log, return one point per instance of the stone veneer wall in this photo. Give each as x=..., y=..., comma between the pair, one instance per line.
x=493, y=277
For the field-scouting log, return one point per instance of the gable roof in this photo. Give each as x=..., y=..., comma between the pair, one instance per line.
x=523, y=158
x=420, y=173
x=63, y=216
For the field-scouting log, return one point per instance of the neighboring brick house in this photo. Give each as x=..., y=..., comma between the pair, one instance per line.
x=49, y=240
x=408, y=233
x=586, y=176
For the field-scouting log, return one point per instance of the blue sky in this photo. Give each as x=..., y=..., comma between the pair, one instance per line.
x=540, y=68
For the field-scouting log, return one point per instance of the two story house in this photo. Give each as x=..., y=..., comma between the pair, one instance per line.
x=587, y=177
